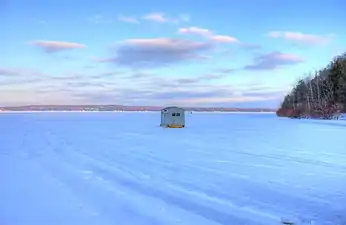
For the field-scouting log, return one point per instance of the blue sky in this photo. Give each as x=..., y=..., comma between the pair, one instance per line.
x=216, y=53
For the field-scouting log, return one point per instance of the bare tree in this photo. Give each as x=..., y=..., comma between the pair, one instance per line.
x=321, y=96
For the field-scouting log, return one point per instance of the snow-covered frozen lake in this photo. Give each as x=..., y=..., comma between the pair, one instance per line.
x=123, y=169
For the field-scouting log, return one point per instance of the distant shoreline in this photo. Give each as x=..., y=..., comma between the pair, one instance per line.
x=121, y=108
x=193, y=112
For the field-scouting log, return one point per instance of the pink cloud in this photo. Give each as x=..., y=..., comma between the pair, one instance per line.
x=301, y=37
x=224, y=39
x=163, y=18
x=169, y=44
x=57, y=46
x=156, y=52
x=20, y=72
x=208, y=34
x=274, y=60
x=8, y=72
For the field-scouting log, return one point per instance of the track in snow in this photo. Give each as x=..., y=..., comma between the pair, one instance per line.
x=122, y=168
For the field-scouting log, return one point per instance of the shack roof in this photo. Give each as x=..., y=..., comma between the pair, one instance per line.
x=172, y=107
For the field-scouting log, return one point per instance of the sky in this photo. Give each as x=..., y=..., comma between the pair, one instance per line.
x=220, y=53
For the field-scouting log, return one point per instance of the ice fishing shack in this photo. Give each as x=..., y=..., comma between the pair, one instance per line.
x=173, y=117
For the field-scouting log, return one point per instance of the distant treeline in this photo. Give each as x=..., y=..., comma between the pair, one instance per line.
x=110, y=108
x=321, y=95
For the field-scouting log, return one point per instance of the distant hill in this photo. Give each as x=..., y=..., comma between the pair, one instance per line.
x=124, y=108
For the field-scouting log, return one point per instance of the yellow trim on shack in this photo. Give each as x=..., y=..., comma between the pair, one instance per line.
x=175, y=126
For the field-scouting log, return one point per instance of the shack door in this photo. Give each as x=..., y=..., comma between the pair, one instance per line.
x=174, y=116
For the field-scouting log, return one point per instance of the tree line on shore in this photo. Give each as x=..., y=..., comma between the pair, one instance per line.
x=321, y=95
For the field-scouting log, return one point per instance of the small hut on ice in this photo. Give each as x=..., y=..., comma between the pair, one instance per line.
x=173, y=117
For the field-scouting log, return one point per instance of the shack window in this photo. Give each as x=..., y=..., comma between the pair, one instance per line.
x=178, y=114
x=173, y=114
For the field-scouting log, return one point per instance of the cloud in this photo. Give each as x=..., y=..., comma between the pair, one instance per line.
x=184, y=95
x=301, y=37
x=163, y=18
x=83, y=84
x=119, y=96
x=23, y=76
x=148, y=89
x=156, y=17
x=225, y=70
x=22, y=81
x=214, y=96
x=30, y=78
x=102, y=19
x=212, y=101
x=128, y=19
x=66, y=78
x=187, y=82
x=15, y=72
x=274, y=60
x=14, y=77
x=89, y=79
x=196, y=30
x=211, y=96
x=129, y=96
x=20, y=96
x=62, y=84
x=209, y=34
x=56, y=46
x=224, y=39
x=212, y=76
x=8, y=72
x=156, y=52
x=107, y=74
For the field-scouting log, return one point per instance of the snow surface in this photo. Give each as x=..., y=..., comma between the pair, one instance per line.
x=122, y=168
